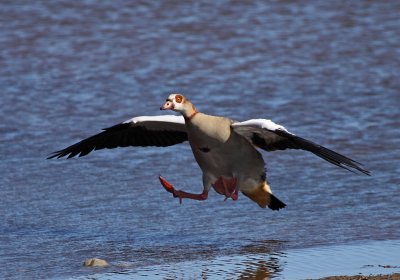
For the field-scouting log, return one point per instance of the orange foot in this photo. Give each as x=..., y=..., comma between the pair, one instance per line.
x=181, y=194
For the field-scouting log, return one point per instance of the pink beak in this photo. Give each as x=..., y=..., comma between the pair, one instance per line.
x=167, y=106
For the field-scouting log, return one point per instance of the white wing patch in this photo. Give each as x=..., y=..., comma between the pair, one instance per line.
x=165, y=118
x=261, y=123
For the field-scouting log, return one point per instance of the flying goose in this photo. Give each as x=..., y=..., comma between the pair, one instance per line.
x=224, y=149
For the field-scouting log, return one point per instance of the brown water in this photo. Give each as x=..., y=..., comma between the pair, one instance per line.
x=327, y=70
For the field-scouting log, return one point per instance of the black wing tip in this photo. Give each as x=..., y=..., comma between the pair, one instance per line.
x=354, y=165
x=54, y=155
x=60, y=154
x=367, y=172
x=350, y=165
x=355, y=168
x=362, y=170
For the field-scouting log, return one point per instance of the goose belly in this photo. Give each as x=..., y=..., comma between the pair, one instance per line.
x=235, y=158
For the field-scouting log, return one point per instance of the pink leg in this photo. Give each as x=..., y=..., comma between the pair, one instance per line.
x=181, y=194
x=227, y=187
x=235, y=194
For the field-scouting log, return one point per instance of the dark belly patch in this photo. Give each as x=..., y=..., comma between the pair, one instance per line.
x=204, y=149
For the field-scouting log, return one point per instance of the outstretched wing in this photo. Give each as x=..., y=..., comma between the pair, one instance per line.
x=269, y=136
x=139, y=131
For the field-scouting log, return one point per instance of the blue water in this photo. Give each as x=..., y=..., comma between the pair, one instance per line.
x=328, y=71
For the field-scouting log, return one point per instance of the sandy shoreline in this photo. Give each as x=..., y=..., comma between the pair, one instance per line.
x=394, y=276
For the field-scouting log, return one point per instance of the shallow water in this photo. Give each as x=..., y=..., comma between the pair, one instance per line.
x=327, y=71
x=271, y=262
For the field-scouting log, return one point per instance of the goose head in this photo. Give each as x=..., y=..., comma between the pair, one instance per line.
x=179, y=103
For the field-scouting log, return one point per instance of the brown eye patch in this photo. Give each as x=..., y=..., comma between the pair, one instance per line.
x=178, y=98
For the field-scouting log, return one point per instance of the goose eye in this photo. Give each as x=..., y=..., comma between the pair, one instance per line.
x=178, y=98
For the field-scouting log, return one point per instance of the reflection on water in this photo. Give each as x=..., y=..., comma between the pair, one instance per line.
x=260, y=260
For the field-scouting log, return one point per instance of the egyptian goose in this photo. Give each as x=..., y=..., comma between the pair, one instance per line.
x=224, y=149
